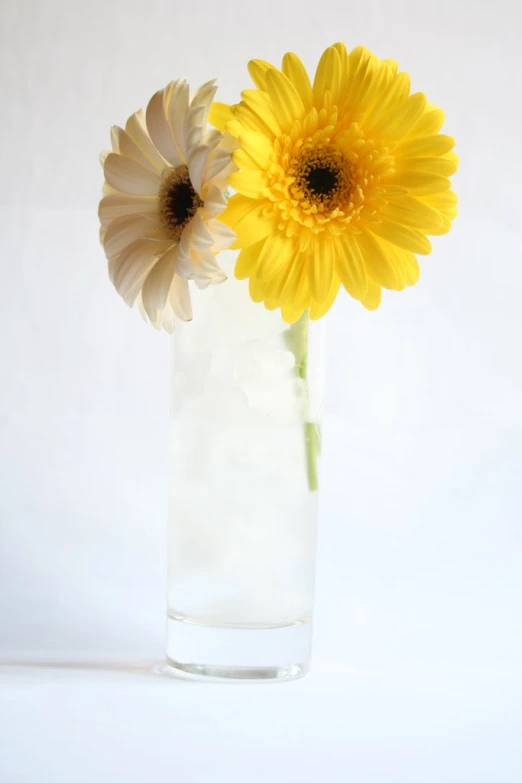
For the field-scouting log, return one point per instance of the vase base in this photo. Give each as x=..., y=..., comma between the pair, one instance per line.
x=196, y=671
x=264, y=654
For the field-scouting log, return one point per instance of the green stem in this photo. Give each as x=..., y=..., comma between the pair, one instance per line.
x=312, y=451
x=297, y=340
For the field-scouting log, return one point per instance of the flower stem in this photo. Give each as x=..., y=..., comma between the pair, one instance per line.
x=297, y=340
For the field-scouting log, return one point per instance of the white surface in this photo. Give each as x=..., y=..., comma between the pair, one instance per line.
x=418, y=623
x=128, y=727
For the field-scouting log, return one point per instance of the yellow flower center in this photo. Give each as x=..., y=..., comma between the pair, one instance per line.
x=325, y=175
x=324, y=178
x=178, y=201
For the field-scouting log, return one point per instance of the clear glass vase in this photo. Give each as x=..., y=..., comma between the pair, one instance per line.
x=245, y=433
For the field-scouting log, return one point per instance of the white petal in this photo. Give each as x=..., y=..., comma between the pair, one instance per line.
x=214, y=202
x=206, y=262
x=140, y=307
x=108, y=191
x=129, y=270
x=223, y=235
x=177, y=111
x=157, y=285
x=197, y=162
x=204, y=95
x=158, y=315
x=229, y=143
x=118, y=205
x=179, y=299
x=184, y=266
x=194, y=132
x=122, y=143
x=205, y=282
x=221, y=179
x=123, y=231
x=115, y=142
x=197, y=115
x=159, y=128
x=207, y=270
x=218, y=162
x=137, y=130
x=200, y=234
x=127, y=176
x=212, y=138
x=169, y=320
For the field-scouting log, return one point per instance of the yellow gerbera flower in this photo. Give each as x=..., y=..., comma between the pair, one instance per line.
x=339, y=181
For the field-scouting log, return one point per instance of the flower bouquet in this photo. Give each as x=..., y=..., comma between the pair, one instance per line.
x=321, y=185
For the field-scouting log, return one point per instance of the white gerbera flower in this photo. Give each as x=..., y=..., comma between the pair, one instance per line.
x=164, y=189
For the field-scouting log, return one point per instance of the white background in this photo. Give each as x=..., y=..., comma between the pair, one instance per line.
x=418, y=648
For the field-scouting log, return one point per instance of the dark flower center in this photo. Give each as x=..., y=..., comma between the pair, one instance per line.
x=178, y=201
x=322, y=180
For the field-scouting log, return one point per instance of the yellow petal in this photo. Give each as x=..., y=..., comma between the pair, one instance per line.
x=445, y=202
x=425, y=146
x=443, y=166
x=396, y=93
x=413, y=213
x=350, y=266
x=408, y=238
x=286, y=102
x=220, y=114
x=392, y=65
x=255, y=289
x=344, y=60
x=372, y=299
x=291, y=314
x=238, y=206
x=444, y=227
x=431, y=122
x=283, y=287
x=321, y=264
x=310, y=122
x=411, y=268
x=367, y=80
x=294, y=70
x=247, y=260
x=421, y=183
x=404, y=261
x=258, y=148
x=257, y=70
x=294, y=307
x=249, y=182
x=252, y=225
x=275, y=256
x=327, y=77
x=399, y=119
x=259, y=103
x=318, y=310
x=379, y=264
x=247, y=120
x=373, y=81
